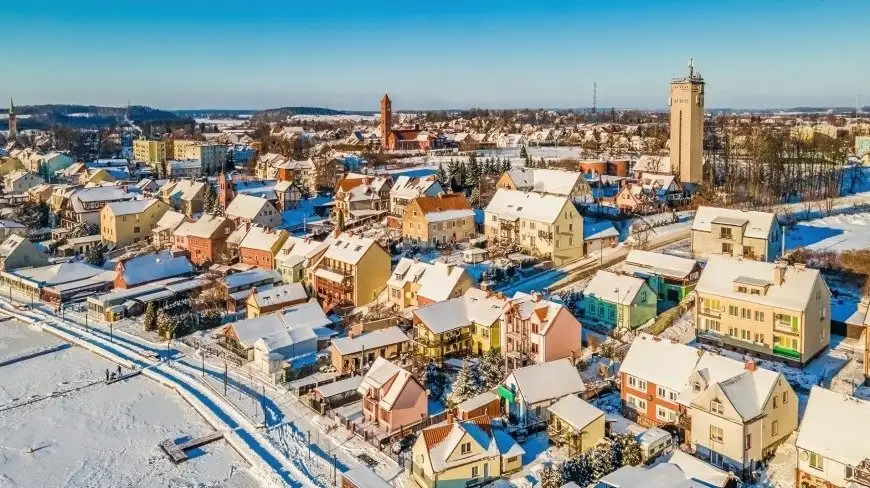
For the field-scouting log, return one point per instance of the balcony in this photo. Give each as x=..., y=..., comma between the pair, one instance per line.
x=684, y=421
x=547, y=236
x=709, y=312
x=507, y=225
x=786, y=352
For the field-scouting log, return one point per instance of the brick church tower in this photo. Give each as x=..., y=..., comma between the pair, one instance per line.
x=13, y=120
x=386, y=121
x=225, y=190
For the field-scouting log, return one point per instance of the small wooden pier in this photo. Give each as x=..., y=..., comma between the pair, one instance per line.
x=177, y=452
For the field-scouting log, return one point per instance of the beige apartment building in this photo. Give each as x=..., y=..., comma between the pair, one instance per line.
x=548, y=226
x=774, y=311
x=737, y=233
x=442, y=219
x=687, y=126
x=151, y=152
x=213, y=157
x=352, y=271
x=130, y=222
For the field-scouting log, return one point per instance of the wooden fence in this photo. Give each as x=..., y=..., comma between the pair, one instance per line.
x=668, y=318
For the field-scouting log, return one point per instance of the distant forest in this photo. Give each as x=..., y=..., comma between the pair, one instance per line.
x=46, y=116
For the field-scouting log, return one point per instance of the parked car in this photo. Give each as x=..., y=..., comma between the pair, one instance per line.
x=403, y=444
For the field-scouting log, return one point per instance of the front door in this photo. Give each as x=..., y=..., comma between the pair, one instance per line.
x=715, y=458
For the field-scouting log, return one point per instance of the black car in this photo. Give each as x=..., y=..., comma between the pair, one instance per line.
x=403, y=444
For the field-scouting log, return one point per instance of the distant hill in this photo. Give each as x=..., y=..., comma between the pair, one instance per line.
x=85, y=116
x=290, y=111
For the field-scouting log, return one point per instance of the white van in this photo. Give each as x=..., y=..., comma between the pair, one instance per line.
x=654, y=442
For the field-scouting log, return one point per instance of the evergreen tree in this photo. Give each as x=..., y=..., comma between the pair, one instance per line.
x=600, y=461
x=473, y=171
x=578, y=471
x=505, y=165
x=523, y=153
x=491, y=369
x=433, y=378
x=472, y=158
x=551, y=476
x=627, y=451
x=442, y=175
x=452, y=168
x=461, y=176
x=96, y=255
x=150, y=318
x=464, y=387
x=209, y=199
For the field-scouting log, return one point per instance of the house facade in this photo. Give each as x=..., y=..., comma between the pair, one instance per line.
x=207, y=239
x=736, y=233
x=458, y=327
x=619, y=301
x=671, y=278
x=774, y=311
x=417, y=284
x=261, y=245
x=352, y=353
x=537, y=331
x=393, y=398
x=126, y=223
x=352, y=270
x=569, y=184
x=407, y=188
x=438, y=220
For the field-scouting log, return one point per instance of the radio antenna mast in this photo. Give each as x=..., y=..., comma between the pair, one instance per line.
x=594, y=97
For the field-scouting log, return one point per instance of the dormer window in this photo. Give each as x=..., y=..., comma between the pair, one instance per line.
x=716, y=407
x=696, y=387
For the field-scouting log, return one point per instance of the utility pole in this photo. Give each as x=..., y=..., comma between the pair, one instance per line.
x=225, y=378
x=594, y=97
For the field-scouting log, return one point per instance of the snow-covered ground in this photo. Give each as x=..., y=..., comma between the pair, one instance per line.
x=836, y=233
x=97, y=434
x=304, y=213
x=682, y=330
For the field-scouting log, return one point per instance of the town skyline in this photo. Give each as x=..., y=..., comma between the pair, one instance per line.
x=518, y=56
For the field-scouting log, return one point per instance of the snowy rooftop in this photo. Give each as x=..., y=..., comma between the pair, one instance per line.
x=547, y=381
x=660, y=264
x=794, y=293
x=369, y=341
x=411, y=187
x=512, y=205
x=836, y=426
x=575, y=411
x=246, y=206
x=280, y=294
x=472, y=307
x=644, y=361
x=206, y=226
x=130, y=207
x=263, y=239
x=151, y=267
x=363, y=477
x=435, y=281
x=758, y=224
x=614, y=288
x=349, y=248
x=253, y=276
x=558, y=182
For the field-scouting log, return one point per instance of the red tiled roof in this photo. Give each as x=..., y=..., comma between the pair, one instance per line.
x=449, y=201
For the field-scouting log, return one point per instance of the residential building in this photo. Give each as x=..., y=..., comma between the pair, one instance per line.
x=20, y=181
x=352, y=353
x=164, y=228
x=832, y=450
x=269, y=341
x=353, y=270
x=84, y=205
x=528, y=391
x=738, y=233
x=542, y=225
x=464, y=453
x=537, y=331
x=75, y=246
x=362, y=477
x=212, y=158
x=261, y=245
x=677, y=470
x=18, y=252
x=245, y=209
x=687, y=126
x=273, y=299
x=417, y=284
x=149, y=268
x=652, y=193
x=44, y=163
x=774, y=311
x=560, y=183
x=732, y=413
x=283, y=195
x=130, y=222
x=40, y=193
x=238, y=286
x=438, y=220
x=10, y=227
x=8, y=165
x=184, y=195
x=458, y=326
x=862, y=148
x=576, y=424
x=150, y=151
x=359, y=198
x=293, y=255
x=207, y=239
x=58, y=283
x=407, y=188
x=393, y=398
x=619, y=301
x=184, y=168
x=671, y=278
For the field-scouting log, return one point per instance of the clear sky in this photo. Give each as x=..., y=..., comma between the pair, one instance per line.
x=447, y=54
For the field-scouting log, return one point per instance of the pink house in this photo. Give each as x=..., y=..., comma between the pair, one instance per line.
x=392, y=397
x=537, y=331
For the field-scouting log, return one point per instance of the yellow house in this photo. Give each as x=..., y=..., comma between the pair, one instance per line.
x=470, y=324
x=352, y=271
x=416, y=284
x=430, y=221
x=575, y=423
x=101, y=176
x=8, y=165
x=151, y=152
x=548, y=226
x=125, y=223
x=460, y=454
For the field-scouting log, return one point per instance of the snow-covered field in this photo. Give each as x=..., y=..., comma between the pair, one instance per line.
x=97, y=434
x=836, y=233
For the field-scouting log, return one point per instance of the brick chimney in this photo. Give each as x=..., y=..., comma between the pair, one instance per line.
x=779, y=272
x=750, y=365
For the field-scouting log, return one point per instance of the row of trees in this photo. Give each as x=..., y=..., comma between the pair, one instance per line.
x=463, y=175
x=180, y=318
x=471, y=380
x=589, y=467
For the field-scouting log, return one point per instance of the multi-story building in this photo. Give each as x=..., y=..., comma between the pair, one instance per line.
x=542, y=225
x=619, y=301
x=438, y=220
x=775, y=311
x=83, y=205
x=183, y=168
x=537, y=330
x=528, y=391
x=359, y=197
x=737, y=233
x=276, y=298
x=20, y=181
x=459, y=327
x=417, y=284
x=560, y=183
x=150, y=151
x=352, y=271
x=248, y=210
x=45, y=164
x=672, y=278
x=207, y=239
x=687, y=126
x=212, y=157
x=733, y=414
x=261, y=245
x=576, y=424
x=407, y=188
x=125, y=223
x=393, y=398
x=186, y=196
x=832, y=450
x=161, y=235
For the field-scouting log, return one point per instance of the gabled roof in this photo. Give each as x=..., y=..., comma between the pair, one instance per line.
x=643, y=360
x=130, y=207
x=369, y=341
x=794, y=293
x=443, y=439
x=547, y=381
x=206, y=226
x=836, y=426
x=411, y=187
x=384, y=374
x=445, y=207
x=349, y=248
x=436, y=281
x=575, y=411
x=156, y=266
x=513, y=204
x=292, y=292
x=263, y=239
x=472, y=307
x=757, y=224
x=292, y=325
x=553, y=181
x=614, y=288
x=659, y=264
x=246, y=206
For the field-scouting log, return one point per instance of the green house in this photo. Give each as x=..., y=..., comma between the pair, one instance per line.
x=672, y=278
x=619, y=301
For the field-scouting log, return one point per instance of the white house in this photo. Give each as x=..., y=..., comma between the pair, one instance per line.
x=528, y=391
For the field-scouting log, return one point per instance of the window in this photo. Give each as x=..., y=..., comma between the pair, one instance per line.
x=774, y=428
x=696, y=387
x=716, y=434
x=732, y=310
x=747, y=442
x=465, y=448
x=775, y=402
x=716, y=407
x=745, y=313
x=475, y=471
x=726, y=248
x=643, y=296
x=637, y=383
x=759, y=316
x=741, y=289
x=713, y=325
x=725, y=233
x=755, y=291
x=816, y=461
x=822, y=314
x=747, y=250
x=665, y=414
x=661, y=392
x=784, y=397
x=635, y=402
x=610, y=313
x=745, y=335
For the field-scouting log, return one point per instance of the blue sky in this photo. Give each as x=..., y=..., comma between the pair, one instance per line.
x=533, y=53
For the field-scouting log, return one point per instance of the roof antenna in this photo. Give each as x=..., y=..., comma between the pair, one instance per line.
x=691, y=68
